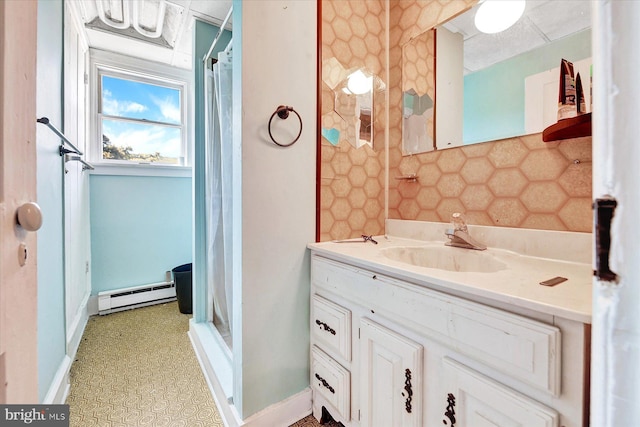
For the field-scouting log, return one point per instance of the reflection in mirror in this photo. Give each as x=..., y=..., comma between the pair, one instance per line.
x=418, y=94
x=354, y=103
x=332, y=124
x=509, y=79
x=356, y=96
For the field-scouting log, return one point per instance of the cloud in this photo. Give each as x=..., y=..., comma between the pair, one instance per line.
x=169, y=110
x=145, y=139
x=113, y=107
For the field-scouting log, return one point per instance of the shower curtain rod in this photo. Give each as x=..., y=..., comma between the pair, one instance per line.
x=215, y=40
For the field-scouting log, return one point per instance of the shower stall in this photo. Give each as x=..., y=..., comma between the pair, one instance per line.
x=218, y=189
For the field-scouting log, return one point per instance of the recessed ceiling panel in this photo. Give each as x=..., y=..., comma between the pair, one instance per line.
x=557, y=19
x=543, y=21
x=157, y=30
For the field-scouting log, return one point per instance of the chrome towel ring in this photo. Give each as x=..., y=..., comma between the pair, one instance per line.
x=283, y=112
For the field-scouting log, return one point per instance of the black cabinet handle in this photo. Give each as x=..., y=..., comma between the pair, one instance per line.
x=326, y=327
x=450, y=411
x=409, y=389
x=325, y=384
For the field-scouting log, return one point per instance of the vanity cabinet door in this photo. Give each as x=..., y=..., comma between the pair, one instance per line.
x=390, y=378
x=473, y=400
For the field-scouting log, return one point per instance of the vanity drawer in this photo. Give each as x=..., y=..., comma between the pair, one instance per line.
x=331, y=381
x=331, y=326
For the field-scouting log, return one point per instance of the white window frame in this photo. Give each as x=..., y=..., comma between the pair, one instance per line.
x=120, y=66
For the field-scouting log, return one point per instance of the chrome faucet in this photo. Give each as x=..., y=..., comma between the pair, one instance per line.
x=459, y=235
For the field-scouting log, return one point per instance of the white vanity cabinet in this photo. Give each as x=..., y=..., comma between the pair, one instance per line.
x=414, y=356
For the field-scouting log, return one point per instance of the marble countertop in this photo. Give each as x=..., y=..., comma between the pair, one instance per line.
x=516, y=283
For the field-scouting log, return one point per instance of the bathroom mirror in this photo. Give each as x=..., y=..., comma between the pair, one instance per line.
x=354, y=104
x=357, y=97
x=507, y=83
x=418, y=93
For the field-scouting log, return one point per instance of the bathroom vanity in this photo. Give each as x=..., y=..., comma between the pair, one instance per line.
x=410, y=332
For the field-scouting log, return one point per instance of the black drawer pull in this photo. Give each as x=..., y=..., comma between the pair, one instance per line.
x=326, y=327
x=325, y=384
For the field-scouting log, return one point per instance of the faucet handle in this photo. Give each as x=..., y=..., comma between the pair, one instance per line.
x=458, y=222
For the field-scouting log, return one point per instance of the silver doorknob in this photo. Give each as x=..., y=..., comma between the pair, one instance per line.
x=30, y=216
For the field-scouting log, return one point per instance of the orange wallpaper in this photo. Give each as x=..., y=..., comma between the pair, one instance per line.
x=352, y=180
x=517, y=182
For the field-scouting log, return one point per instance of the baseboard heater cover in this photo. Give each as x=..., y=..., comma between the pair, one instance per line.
x=136, y=296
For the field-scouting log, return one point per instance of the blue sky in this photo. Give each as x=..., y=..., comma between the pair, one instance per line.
x=126, y=98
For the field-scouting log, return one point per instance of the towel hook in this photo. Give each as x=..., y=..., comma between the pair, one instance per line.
x=283, y=112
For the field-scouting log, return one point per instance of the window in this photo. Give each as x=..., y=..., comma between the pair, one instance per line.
x=141, y=119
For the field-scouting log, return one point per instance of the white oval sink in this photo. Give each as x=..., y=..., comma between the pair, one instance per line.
x=446, y=258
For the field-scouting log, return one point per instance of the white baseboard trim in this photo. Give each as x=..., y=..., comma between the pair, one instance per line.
x=59, y=389
x=283, y=413
x=217, y=370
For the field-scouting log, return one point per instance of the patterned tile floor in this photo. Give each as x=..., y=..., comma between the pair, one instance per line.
x=137, y=368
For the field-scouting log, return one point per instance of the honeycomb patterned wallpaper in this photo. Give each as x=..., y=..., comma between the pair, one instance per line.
x=516, y=182
x=352, y=180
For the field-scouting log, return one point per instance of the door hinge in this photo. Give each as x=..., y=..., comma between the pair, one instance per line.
x=603, y=214
x=86, y=78
x=358, y=333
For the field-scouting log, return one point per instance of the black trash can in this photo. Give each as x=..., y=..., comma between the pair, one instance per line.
x=182, y=280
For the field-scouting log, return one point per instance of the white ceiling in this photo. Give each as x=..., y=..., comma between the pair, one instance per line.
x=543, y=21
x=177, y=31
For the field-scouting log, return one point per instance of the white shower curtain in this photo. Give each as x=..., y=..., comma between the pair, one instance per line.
x=218, y=191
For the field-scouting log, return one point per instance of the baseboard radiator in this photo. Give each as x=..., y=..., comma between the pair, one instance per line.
x=134, y=297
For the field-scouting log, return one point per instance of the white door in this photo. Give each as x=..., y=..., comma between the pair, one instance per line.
x=615, y=370
x=390, y=378
x=18, y=283
x=76, y=207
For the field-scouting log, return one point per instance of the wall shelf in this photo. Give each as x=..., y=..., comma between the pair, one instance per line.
x=574, y=127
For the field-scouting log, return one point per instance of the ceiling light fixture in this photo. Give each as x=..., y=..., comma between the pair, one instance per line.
x=359, y=83
x=139, y=12
x=494, y=16
x=119, y=16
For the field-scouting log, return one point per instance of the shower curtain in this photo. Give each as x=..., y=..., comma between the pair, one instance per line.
x=218, y=192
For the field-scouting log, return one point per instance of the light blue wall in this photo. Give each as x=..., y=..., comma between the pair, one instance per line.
x=140, y=227
x=494, y=97
x=51, y=315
